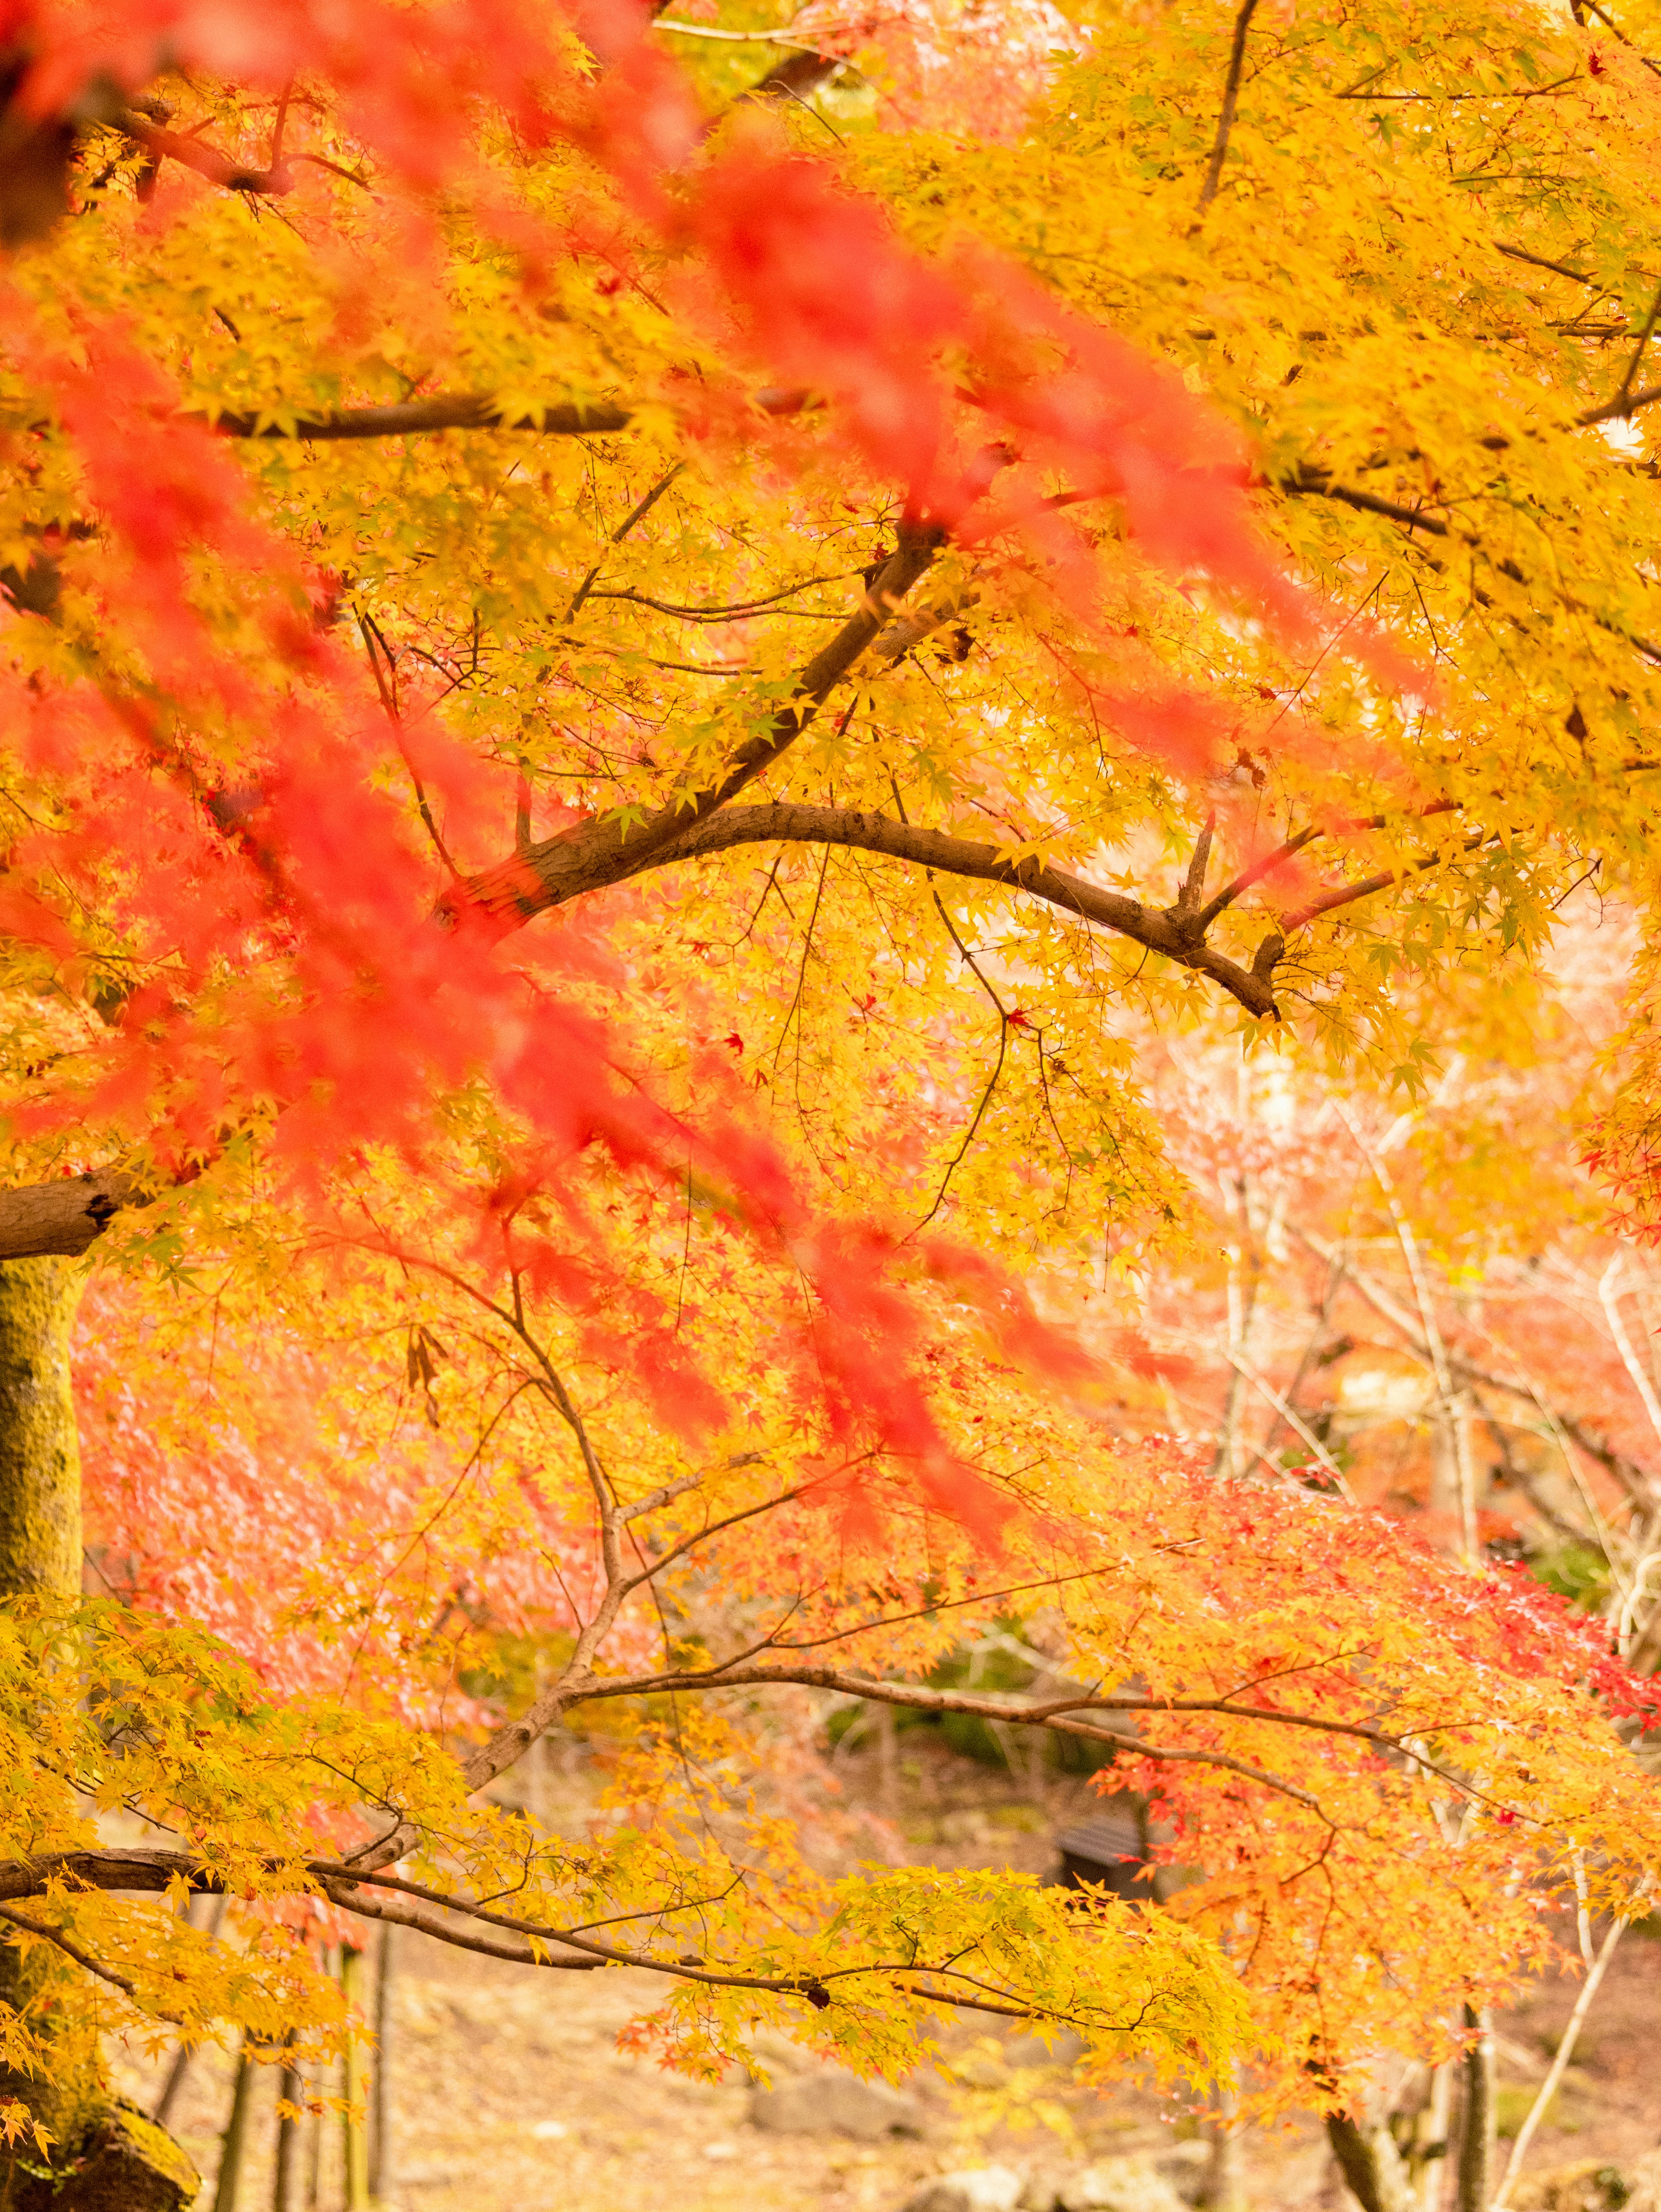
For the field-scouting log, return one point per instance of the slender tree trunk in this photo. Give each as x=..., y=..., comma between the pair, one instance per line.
x=40, y=1557
x=105, y=2151
x=381, y=2107
x=233, y=2142
x=285, y=2177
x=174, y=2082
x=1221, y=2190
x=1454, y=1490
x=888, y=1794
x=1549, y=2088
x=355, y=2136
x=1476, y=2117
x=542, y=1755
x=40, y=1455
x=314, y=2165
x=1434, y=2141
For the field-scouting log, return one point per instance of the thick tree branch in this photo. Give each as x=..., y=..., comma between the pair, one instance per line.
x=458, y=411
x=799, y=75
x=82, y=1958
x=65, y=1218
x=1162, y=930
x=450, y=411
x=68, y=1217
x=1621, y=408
x=207, y=162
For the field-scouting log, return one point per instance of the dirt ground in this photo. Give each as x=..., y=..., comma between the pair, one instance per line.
x=508, y=2095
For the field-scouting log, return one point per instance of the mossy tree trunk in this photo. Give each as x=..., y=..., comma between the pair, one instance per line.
x=39, y=1457
x=106, y=2156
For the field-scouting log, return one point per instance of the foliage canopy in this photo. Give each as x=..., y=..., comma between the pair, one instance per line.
x=933, y=596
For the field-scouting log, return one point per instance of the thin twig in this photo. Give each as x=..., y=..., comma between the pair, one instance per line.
x=637, y=514
x=372, y=637
x=957, y=1158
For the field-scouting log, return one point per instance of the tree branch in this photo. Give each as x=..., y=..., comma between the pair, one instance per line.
x=66, y=1217
x=1369, y=886
x=411, y=1904
x=1537, y=261
x=452, y=410
x=1621, y=408
x=84, y=1959
x=207, y=162
x=1632, y=1478
x=1230, y=96
x=568, y=867
x=456, y=410
x=596, y=854
x=1310, y=480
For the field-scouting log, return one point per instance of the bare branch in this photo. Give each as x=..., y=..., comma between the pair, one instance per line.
x=1632, y=1478
x=1370, y=886
x=638, y=512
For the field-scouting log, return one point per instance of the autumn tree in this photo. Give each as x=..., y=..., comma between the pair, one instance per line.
x=935, y=590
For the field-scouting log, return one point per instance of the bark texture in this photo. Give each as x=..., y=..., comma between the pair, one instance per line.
x=67, y=1215
x=104, y=2155
x=39, y=1457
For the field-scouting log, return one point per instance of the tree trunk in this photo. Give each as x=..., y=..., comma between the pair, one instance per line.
x=106, y=2155
x=235, y=2139
x=1221, y=2189
x=285, y=2178
x=381, y=2105
x=1431, y=2145
x=1476, y=2118
x=184, y=2057
x=40, y=1457
x=1370, y=2164
x=314, y=2162
x=355, y=2135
